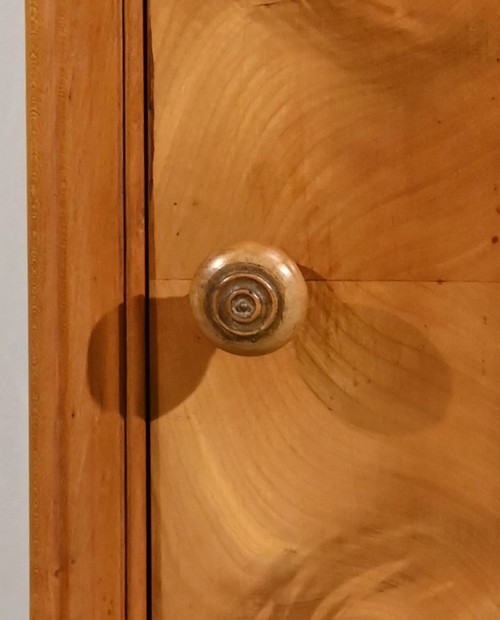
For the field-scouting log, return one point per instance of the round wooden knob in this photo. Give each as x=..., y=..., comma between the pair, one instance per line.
x=249, y=299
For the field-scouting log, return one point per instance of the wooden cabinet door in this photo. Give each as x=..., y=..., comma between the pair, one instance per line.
x=355, y=472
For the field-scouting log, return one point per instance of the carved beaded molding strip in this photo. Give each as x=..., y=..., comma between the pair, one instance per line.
x=85, y=126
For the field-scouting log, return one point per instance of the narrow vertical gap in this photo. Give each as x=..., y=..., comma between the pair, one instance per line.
x=126, y=112
x=147, y=175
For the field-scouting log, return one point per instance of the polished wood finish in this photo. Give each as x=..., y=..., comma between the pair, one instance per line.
x=249, y=299
x=361, y=138
x=135, y=310
x=85, y=324
x=354, y=473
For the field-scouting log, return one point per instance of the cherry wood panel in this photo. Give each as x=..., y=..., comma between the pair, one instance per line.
x=360, y=137
x=353, y=473
x=76, y=278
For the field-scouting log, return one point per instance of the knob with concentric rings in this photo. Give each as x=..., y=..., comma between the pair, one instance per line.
x=249, y=299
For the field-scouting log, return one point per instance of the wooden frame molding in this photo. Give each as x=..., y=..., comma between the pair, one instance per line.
x=86, y=307
x=135, y=175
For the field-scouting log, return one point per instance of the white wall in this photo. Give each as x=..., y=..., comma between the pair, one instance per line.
x=14, y=576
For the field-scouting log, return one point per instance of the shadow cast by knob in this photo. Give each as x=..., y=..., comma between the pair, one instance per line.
x=179, y=353
x=370, y=367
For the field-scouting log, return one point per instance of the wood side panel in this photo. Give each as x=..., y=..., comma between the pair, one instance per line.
x=351, y=474
x=76, y=274
x=135, y=293
x=361, y=138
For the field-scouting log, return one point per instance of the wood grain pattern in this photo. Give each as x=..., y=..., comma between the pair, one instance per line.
x=353, y=474
x=135, y=311
x=360, y=137
x=75, y=190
